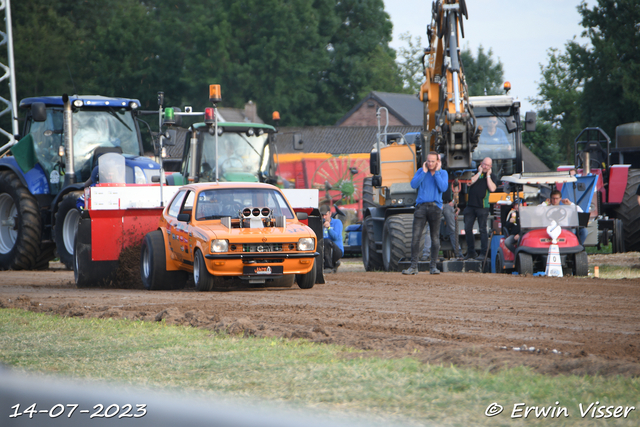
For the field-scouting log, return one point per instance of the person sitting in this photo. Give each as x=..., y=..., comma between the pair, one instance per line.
x=493, y=135
x=555, y=200
x=513, y=227
x=333, y=246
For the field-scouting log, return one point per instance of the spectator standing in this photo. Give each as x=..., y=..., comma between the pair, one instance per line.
x=482, y=184
x=333, y=246
x=431, y=181
x=449, y=214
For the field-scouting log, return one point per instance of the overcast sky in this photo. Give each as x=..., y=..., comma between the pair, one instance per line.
x=518, y=32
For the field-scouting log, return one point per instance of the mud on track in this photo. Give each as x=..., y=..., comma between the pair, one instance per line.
x=554, y=325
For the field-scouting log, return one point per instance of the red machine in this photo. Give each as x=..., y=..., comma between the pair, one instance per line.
x=618, y=171
x=530, y=255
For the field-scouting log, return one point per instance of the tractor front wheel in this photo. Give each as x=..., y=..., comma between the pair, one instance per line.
x=67, y=218
x=396, y=240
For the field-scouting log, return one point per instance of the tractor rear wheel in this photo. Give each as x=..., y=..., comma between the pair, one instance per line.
x=581, y=264
x=20, y=225
x=66, y=227
x=371, y=259
x=396, y=240
x=629, y=212
x=153, y=265
x=525, y=264
x=617, y=240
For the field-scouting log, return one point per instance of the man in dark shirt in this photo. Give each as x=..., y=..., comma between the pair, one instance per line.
x=482, y=184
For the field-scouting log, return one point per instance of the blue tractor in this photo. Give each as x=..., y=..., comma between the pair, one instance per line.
x=43, y=175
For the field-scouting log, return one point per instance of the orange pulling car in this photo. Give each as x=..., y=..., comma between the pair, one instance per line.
x=225, y=232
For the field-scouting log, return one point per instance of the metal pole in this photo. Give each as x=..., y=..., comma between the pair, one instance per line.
x=12, y=84
x=10, y=73
x=160, y=140
x=215, y=113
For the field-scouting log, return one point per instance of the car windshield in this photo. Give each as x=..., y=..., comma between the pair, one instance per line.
x=495, y=141
x=220, y=203
x=237, y=152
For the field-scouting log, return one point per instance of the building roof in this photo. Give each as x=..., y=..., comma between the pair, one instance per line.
x=405, y=107
x=236, y=115
x=360, y=139
x=334, y=140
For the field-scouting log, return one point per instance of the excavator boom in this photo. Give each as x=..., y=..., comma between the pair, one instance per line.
x=449, y=124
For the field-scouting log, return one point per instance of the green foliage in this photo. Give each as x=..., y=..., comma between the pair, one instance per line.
x=559, y=96
x=544, y=144
x=311, y=60
x=325, y=377
x=610, y=67
x=411, y=67
x=484, y=76
x=594, y=85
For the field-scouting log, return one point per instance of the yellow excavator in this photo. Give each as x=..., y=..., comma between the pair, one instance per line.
x=450, y=128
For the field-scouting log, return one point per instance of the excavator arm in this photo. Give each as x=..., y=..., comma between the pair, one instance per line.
x=449, y=124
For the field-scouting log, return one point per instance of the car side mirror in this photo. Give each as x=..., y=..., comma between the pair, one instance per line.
x=302, y=216
x=184, y=217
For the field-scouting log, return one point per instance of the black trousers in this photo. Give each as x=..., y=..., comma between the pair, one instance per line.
x=426, y=212
x=332, y=253
x=470, y=214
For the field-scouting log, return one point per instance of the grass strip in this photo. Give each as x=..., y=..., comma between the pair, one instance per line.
x=156, y=355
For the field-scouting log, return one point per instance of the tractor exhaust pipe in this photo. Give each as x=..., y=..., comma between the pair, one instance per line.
x=70, y=175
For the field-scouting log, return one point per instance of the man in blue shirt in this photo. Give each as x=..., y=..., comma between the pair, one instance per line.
x=431, y=181
x=333, y=246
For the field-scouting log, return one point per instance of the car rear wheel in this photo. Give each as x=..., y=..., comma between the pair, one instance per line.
x=306, y=281
x=153, y=265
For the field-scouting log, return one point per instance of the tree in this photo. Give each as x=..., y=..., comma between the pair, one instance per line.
x=544, y=143
x=610, y=67
x=411, y=66
x=483, y=75
x=559, y=97
x=597, y=84
x=310, y=59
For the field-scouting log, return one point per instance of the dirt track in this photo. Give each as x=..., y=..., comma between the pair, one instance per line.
x=567, y=325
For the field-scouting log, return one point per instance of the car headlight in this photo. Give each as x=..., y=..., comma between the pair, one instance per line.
x=306, y=244
x=219, y=245
x=140, y=178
